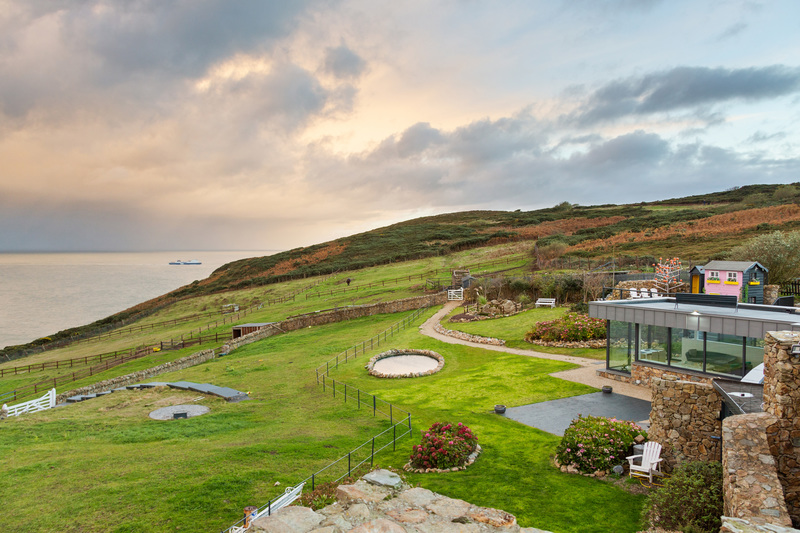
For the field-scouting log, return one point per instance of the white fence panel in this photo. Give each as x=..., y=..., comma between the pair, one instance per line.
x=455, y=294
x=48, y=401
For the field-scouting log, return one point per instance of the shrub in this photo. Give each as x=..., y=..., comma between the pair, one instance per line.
x=570, y=327
x=595, y=443
x=444, y=446
x=691, y=500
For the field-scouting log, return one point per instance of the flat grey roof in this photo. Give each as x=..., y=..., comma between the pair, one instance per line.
x=253, y=325
x=747, y=320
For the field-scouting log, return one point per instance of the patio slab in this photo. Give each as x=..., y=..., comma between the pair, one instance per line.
x=555, y=416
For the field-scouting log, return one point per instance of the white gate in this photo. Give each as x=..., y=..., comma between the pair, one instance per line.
x=455, y=294
x=47, y=401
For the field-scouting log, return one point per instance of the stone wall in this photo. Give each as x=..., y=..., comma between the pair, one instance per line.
x=771, y=293
x=782, y=400
x=643, y=374
x=752, y=488
x=136, y=377
x=683, y=419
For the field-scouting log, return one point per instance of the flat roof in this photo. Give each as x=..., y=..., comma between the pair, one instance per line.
x=746, y=320
x=253, y=325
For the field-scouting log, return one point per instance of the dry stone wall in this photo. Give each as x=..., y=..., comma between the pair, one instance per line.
x=438, y=328
x=136, y=377
x=782, y=400
x=752, y=488
x=684, y=417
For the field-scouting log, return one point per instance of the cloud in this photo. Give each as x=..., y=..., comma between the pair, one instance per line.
x=685, y=88
x=732, y=31
x=343, y=63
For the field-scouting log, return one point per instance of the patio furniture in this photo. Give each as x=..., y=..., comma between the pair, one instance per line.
x=644, y=293
x=634, y=294
x=550, y=302
x=649, y=462
x=653, y=293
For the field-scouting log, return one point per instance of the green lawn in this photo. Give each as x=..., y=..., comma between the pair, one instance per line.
x=512, y=329
x=104, y=466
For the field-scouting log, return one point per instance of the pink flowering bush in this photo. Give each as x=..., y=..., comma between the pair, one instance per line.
x=596, y=443
x=444, y=445
x=570, y=327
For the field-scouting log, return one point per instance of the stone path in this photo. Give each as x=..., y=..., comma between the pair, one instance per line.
x=585, y=373
x=230, y=395
x=380, y=503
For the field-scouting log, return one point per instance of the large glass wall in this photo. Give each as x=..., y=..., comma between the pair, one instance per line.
x=724, y=354
x=653, y=344
x=621, y=346
x=714, y=353
x=686, y=349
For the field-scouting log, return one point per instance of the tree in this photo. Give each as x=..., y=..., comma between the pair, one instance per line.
x=778, y=251
x=667, y=275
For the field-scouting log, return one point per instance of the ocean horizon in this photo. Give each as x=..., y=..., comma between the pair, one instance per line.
x=42, y=293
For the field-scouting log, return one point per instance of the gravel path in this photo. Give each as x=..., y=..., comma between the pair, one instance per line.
x=585, y=373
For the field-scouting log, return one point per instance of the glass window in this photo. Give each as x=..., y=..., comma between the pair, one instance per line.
x=653, y=344
x=733, y=276
x=754, y=353
x=713, y=274
x=724, y=354
x=621, y=346
x=687, y=349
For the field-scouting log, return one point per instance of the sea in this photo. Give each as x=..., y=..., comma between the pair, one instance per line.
x=44, y=293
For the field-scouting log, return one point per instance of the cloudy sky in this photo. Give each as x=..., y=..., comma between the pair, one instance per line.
x=213, y=124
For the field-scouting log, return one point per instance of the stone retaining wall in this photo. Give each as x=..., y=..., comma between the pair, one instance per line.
x=644, y=374
x=403, y=351
x=684, y=417
x=782, y=400
x=438, y=328
x=752, y=488
x=135, y=377
x=338, y=315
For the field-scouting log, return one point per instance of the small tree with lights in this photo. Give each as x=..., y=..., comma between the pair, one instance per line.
x=667, y=278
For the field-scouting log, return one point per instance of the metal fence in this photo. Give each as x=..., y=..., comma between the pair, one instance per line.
x=368, y=344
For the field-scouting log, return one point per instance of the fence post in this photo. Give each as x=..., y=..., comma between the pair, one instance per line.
x=323, y=382
x=394, y=438
x=372, y=456
x=390, y=414
x=345, y=392
x=374, y=405
x=333, y=381
x=359, y=398
x=348, y=464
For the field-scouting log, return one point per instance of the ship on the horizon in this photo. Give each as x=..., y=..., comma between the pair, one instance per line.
x=189, y=262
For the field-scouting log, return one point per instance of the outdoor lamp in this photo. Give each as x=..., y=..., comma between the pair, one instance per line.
x=693, y=320
x=795, y=349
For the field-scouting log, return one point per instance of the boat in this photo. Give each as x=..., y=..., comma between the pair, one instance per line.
x=189, y=262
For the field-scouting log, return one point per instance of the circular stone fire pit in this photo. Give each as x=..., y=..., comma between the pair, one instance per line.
x=405, y=364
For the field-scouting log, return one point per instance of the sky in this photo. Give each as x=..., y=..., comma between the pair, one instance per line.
x=218, y=124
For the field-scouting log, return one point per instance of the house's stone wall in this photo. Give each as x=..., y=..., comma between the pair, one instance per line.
x=644, y=374
x=739, y=525
x=684, y=417
x=136, y=377
x=752, y=488
x=782, y=400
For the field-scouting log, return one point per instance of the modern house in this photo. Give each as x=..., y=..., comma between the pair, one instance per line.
x=743, y=279
x=696, y=336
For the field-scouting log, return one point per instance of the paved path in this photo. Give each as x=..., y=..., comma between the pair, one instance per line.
x=585, y=373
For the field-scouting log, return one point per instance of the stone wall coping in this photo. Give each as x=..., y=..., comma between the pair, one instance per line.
x=395, y=352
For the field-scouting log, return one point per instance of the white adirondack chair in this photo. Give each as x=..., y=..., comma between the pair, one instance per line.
x=649, y=461
x=634, y=294
x=653, y=293
x=644, y=293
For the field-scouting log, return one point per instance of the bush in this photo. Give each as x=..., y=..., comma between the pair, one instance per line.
x=444, y=446
x=691, y=500
x=570, y=327
x=595, y=443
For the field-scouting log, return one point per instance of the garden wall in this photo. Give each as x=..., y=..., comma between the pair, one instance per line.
x=337, y=315
x=136, y=377
x=782, y=400
x=752, y=488
x=684, y=417
x=643, y=374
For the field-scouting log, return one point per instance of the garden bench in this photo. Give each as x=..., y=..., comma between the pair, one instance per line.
x=546, y=301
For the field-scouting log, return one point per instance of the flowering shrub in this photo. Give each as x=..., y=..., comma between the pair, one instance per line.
x=595, y=443
x=570, y=327
x=444, y=446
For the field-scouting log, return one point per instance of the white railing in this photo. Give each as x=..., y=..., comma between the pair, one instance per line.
x=455, y=294
x=48, y=401
x=291, y=494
